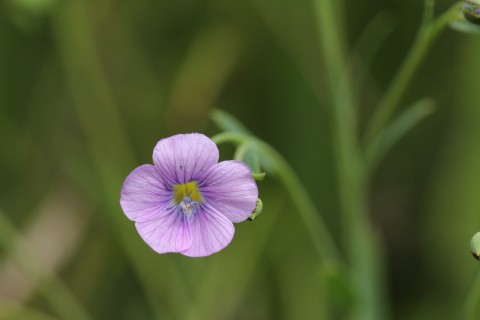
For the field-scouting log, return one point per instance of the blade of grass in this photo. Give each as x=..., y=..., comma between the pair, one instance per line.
x=395, y=131
x=98, y=115
x=428, y=33
x=351, y=182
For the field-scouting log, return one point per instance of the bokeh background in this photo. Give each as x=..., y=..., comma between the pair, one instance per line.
x=87, y=88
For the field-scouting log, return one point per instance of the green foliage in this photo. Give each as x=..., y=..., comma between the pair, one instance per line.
x=88, y=87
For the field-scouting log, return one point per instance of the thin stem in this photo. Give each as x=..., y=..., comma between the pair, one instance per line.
x=241, y=151
x=323, y=241
x=59, y=296
x=472, y=301
x=277, y=165
x=391, y=99
x=361, y=247
x=231, y=137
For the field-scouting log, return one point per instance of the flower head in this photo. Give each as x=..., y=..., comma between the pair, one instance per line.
x=187, y=202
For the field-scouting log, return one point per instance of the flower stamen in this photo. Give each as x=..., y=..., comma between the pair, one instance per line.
x=187, y=197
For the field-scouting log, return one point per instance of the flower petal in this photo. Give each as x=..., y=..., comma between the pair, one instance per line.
x=231, y=189
x=184, y=157
x=169, y=233
x=211, y=232
x=144, y=196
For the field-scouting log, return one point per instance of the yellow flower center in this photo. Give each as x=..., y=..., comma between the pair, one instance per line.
x=187, y=196
x=190, y=190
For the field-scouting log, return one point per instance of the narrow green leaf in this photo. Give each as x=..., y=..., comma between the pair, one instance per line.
x=226, y=122
x=368, y=44
x=396, y=130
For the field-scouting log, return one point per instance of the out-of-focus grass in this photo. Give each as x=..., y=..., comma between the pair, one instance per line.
x=87, y=88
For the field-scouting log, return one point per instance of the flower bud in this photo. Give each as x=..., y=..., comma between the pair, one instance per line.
x=471, y=11
x=475, y=246
x=258, y=209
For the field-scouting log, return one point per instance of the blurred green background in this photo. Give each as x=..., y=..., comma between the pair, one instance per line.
x=87, y=88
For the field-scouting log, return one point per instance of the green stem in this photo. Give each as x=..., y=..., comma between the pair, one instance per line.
x=60, y=298
x=231, y=137
x=316, y=227
x=241, y=151
x=391, y=99
x=361, y=246
x=277, y=165
x=472, y=301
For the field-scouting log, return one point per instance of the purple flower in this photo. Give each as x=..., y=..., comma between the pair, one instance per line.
x=187, y=202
